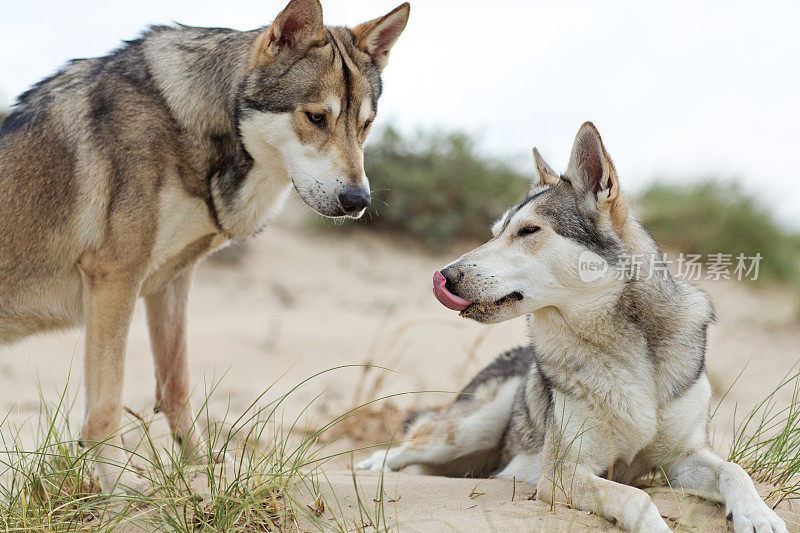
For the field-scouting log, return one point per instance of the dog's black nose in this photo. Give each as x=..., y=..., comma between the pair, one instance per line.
x=354, y=199
x=452, y=274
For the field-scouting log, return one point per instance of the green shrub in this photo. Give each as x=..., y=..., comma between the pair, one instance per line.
x=710, y=216
x=436, y=187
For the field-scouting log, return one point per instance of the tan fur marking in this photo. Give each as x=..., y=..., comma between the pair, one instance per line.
x=166, y=321
x=109, y=297
x=614, y=203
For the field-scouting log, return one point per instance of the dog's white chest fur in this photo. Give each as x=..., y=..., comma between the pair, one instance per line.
x=610, y=407
x=183, y=219
x=265, y=187
x=602, y=435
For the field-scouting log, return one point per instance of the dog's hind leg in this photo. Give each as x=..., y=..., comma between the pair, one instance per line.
x=166, y=321
x=523, y=467
x=469, y=426
x=110, y=293
x=703, y=470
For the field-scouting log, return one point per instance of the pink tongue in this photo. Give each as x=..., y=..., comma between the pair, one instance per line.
x=445, y=297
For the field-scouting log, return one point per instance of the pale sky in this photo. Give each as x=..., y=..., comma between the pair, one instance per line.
x=678, y=89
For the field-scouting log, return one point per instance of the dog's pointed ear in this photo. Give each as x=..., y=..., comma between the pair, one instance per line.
x=594, y=177
x=544, y=174
x=296, y=29
x=590, y=169
x=377, y=37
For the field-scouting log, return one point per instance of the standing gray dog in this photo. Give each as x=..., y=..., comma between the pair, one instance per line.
x=613, y=384
x=119, y=173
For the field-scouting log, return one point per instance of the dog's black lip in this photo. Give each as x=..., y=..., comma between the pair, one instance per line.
x=515, y=296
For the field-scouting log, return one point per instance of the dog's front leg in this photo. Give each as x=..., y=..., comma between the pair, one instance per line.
x=565, y=480
x=705, y=471
x=632, y=508
x=166, y=321
x=110, y=293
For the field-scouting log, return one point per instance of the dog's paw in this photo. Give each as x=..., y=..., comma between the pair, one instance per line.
x=220, y=457
x=376, y=462
x=128, y=484
x=654, y=525
x=199, y=456
x=756, y=518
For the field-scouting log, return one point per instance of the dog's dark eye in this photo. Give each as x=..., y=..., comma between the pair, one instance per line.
x=366, y=125
x=316, y=118
x=528, y=230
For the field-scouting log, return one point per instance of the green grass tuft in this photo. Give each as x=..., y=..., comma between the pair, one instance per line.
x=766, y=440
x=264, y=485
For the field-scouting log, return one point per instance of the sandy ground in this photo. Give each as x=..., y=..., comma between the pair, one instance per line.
x=303, y=300
x=426, y=503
